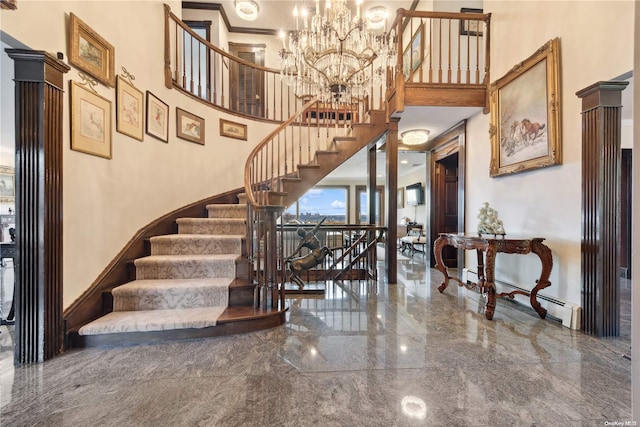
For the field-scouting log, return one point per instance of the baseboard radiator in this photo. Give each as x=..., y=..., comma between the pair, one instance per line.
x=562, y=311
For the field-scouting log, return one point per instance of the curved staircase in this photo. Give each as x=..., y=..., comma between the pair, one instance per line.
x=193, y=284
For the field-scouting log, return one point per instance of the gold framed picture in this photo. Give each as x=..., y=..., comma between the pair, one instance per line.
x=189, y=126
x=525, y=111
x=90, y=52
x=90, y=122
x=413, y=54
x=233, y=130
x=401, y=197
x=7, y=184
x=129, y=109
x=157, y=119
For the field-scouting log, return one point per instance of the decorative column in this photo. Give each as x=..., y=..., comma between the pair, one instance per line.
x=39, y=111
x=391, y=250
x=601, y=153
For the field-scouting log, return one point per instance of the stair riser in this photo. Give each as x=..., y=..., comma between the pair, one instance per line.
x=196, y=246
x=151, y=299
x=192, y=269
x=227, y=211
x=217, y=227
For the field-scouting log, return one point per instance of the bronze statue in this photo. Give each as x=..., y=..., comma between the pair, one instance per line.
x=316, y=255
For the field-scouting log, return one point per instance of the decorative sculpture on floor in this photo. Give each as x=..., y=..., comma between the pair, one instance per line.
x=489, y=222
x=316, y=255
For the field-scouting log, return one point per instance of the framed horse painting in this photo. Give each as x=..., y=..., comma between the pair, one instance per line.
x=525, y=110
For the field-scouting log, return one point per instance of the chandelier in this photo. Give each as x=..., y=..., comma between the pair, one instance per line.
x=335, y=57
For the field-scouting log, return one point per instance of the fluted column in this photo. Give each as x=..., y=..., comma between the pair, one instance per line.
x=39, y=111
x=601, y=154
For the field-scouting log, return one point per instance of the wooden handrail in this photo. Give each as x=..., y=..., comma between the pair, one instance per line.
x=248, y=185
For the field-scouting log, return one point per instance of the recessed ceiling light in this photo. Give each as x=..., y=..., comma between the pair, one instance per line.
x=404, y=162
x=247, y=9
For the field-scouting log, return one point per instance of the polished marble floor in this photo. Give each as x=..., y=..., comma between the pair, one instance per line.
x=364, y=354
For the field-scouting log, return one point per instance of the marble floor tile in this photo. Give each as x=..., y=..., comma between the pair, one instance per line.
x=363, y=354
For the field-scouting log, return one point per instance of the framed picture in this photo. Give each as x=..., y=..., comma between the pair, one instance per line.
x=90, y=122
x=90, y=52
x=469, y=27
x=157, y=119
x=9, y=4
x=189, y=126
x=129, y=109
x=401, y=197
x=414, y=53
x=7, y=184
x=233, y=130
x=525, y=110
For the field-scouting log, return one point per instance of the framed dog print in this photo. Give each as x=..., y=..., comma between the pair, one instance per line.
x=189, y=126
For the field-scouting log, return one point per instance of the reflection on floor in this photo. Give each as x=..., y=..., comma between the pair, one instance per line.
x=363, y=354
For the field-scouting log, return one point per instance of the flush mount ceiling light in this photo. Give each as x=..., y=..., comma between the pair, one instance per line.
x=247, y=9
x=415, y=136
x=377, y=17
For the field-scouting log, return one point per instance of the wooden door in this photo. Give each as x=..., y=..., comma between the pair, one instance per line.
x=247, y=83
x=446, y=205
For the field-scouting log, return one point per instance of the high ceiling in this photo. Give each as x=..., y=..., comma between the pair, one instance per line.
x=278, y=15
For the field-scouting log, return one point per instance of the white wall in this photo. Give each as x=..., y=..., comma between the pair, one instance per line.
x=415, y=213
x=547, y=202
x=107, y=201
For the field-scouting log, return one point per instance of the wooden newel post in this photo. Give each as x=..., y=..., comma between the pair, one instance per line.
x=601, y=154
x=38, y=267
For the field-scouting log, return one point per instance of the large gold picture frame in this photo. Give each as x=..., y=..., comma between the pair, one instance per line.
x=90, y=122
x=525, y=110
x=90, y=52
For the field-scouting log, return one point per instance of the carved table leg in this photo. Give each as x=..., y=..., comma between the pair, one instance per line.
x=481, y=277
x=489, y=283
x=544, y=253
x=440, y=243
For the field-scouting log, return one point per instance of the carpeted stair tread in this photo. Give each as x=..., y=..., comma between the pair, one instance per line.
x=153, y=320
x=234, y=226
x=227, y=211
x=192, y=244
x=186, y=266
x=172, y=294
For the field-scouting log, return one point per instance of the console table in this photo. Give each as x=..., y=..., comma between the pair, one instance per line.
x=491, y=246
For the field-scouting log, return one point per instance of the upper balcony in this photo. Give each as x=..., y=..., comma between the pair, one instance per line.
x=442, y=60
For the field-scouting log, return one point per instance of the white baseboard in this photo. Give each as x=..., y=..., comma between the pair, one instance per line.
x=565, y=312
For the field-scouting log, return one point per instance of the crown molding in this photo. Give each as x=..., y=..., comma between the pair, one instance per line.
x=217, y=7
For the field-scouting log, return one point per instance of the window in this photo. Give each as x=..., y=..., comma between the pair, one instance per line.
x=363, y=205
x=320, y=202
x=200, y=59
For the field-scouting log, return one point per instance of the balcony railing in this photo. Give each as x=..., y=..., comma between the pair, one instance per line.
x=205, y=71
x=443, y=47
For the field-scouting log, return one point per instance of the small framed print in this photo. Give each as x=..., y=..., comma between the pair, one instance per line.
x=157, y=119
x=129, y=109
x=189, y=126
x=471, y=27
x=90, y=52
x=90, y=122
x=233, y=130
